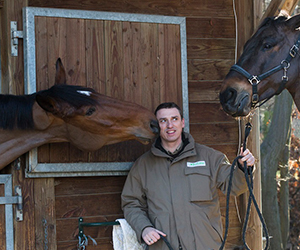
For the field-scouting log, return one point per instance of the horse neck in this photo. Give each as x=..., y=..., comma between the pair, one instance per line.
x=294, y=87
x=14, y=143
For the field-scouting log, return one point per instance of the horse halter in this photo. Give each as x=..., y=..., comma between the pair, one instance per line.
x=255, y=80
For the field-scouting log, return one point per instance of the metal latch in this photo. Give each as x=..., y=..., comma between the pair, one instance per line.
x=18, y=200
x=15, y=35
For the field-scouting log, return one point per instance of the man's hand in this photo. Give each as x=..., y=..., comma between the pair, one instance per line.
x=151, y=235
x=247, y=157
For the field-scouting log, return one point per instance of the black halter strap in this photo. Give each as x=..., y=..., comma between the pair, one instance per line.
x=255, y=80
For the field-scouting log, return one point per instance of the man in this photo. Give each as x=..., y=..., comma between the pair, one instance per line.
x=172, y=189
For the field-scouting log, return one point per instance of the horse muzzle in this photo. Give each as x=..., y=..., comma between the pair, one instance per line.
x=234, y=103
x=154, y=127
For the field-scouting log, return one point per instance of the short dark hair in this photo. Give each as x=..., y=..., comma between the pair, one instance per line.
x=169, y=105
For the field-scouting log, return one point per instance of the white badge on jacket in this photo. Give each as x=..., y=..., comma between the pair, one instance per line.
x=196, y=164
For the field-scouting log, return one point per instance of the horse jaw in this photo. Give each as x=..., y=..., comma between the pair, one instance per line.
x=89, y=141
x=41, y=118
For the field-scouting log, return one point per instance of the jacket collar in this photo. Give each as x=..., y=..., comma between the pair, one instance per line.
x=188, y=144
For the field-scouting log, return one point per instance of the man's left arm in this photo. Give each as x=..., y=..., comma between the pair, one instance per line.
x=239, y=184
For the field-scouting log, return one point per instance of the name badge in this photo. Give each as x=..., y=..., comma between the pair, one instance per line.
x=196, y=164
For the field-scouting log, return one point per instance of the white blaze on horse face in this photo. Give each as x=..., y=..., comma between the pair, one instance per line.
x=83, y=92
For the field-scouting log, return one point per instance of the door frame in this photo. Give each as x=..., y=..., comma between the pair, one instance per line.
x=36, y=169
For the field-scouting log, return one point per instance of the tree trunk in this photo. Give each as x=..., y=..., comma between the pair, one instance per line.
x=272, y=148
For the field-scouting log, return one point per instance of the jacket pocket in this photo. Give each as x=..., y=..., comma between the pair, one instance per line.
x=199, y=181
x=205, y=233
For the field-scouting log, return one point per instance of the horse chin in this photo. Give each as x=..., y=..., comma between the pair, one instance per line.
x=144, y=140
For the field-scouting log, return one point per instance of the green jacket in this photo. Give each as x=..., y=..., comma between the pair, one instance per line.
x=180, y=196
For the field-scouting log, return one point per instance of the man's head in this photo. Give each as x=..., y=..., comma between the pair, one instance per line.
x=171, y=123
x=168, y=105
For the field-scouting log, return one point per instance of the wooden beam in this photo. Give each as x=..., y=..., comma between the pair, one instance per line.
x=289, y=6
x=278, y=6
x=273, y=8
x=248, y=15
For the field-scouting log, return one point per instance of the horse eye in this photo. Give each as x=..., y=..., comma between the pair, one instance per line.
x=90, y=111
x=267, y=46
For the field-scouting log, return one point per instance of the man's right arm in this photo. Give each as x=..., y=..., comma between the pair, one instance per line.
x=134, y=204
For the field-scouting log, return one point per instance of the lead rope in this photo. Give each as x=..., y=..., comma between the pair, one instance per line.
x=251, y=196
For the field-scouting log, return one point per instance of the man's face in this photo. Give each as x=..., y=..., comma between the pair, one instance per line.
x=170, y=124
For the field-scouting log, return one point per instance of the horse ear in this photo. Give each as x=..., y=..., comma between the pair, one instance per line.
x=60, y=76
x=294, y=22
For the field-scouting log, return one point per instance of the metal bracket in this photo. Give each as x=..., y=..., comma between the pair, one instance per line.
x=15, y=35
x=18, y=200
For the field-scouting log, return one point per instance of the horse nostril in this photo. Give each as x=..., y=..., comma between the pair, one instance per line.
x=154, y=126
x=227, y=95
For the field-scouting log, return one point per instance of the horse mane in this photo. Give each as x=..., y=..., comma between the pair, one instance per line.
x=16, y=111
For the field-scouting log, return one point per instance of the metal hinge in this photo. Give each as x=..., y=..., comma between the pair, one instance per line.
x=18, y=200
x=15, y=35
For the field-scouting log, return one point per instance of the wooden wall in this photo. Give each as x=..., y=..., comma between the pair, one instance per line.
x=210, y=50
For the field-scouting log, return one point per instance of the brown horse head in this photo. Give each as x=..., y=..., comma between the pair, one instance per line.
x=72, y=114
x=92, y=119
x=266, y=66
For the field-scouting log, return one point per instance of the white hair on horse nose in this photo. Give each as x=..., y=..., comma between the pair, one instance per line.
x=84, y=92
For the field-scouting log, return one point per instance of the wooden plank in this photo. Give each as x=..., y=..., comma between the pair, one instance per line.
x=210, y=48
x=223, y=133
x=88, y=205
x=57, y=46
x=95, y=55
x=204, y=91
x=289, y=6
x=149, y=54
x=208, y=69
x=273, y=9
x=210, y=28
x=133, y=84
x=113, y=57
x=25, y=231
x=245, y=28
x=171, y=67
x=45, y=222
x=178, y=61
x=170, y=64
x=42, y=80
x=88, y=185
x=230, y=150
x=162, y=60
x=209, y=113
x=75, y=62
x=59, y=152
x=164, y=7
x=12, y=70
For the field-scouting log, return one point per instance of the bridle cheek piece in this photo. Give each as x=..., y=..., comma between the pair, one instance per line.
x=255, y=80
